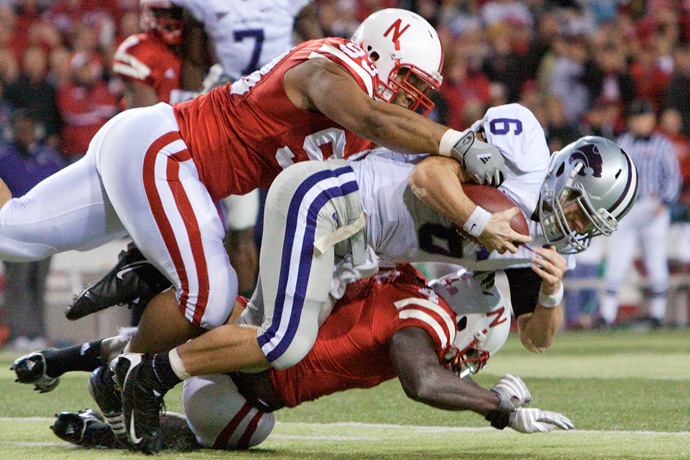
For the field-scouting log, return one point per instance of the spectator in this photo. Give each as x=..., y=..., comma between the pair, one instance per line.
x=606, y=74
x=603, y=119
x=671, y=124
x=567, y=70
x=85, y=105
x=24, y=162
x=679, y=88
x=648, y=221
x=559, y=131
x=32, y=90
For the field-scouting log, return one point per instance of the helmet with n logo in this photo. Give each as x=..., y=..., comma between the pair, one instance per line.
x=594, y=177
x=483, y=318
x=163, y=18
x=402, y=43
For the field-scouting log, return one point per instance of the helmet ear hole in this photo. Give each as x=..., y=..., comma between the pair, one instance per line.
x=374, y=56
x=462, y=323
x=561, y=168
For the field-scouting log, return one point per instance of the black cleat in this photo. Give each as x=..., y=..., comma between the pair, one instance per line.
x=84, y=428
x=107, y=395
x=142, y=398
x=31, y=368
x=132, y=281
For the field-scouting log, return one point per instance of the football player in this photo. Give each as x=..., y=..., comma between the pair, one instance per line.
x=149, y=63
x=389, y=325
x=316, y=212
x=154, y=173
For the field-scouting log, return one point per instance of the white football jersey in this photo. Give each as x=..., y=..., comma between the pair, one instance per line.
x=401, y=228
x=247, y=34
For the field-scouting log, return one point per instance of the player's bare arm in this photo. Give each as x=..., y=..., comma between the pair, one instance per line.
x=538, y=329
x=323, y=86
x=194, y=47
x=139, y=95
x=5, y=194
x=437, y=181
x=425, y=380
x=307, y=24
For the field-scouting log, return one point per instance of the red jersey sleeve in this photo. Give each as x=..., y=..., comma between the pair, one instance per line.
x=352, y=58
x=132, y=60
x=414, y=305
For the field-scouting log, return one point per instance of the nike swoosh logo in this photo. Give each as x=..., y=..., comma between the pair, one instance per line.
x=129, y=268
x=132, y=431
x=472, y=227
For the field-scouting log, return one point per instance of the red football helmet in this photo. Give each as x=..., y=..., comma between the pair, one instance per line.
x=401, y=42
x=164, y=18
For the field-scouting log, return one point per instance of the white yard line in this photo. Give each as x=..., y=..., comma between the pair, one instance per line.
x=420, y=428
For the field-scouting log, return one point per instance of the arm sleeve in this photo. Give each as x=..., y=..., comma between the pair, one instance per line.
x=672, y=179
x=524, y=289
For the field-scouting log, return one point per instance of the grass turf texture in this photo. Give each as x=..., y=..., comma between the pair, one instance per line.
x=628, y=395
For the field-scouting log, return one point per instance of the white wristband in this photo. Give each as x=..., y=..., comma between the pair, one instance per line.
x=176, y=364
x=553, y=300
x=477, y=221
x=449, y=139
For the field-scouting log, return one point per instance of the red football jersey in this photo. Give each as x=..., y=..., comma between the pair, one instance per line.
x=145, y=59
x=351, y=350
x=241, y=136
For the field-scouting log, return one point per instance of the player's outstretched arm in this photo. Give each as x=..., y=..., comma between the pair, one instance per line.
x=425, y=380
x=538, y=329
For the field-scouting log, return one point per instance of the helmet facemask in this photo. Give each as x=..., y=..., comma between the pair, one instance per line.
x=412, y=79
x=563, y=196
x=166, y=21
x=471, y=359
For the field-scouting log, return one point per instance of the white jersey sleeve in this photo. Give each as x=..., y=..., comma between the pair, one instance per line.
x=515, y=131
x=246, y=34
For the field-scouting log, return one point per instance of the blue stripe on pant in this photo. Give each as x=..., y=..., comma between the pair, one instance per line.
x=296, y=221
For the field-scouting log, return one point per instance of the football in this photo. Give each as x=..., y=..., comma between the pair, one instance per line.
x=493, y=200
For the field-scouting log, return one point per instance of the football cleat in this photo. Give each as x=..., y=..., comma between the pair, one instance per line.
x=133, y=280
x=142, y=398
x=107, y=395
x=31, y=368
x=84, y=428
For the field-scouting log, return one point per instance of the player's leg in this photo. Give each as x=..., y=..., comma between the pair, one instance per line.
x=653, y=238
x=621, y=251
x=68, y=210
x=308, y=211
x=220, y=416
x=169, y=214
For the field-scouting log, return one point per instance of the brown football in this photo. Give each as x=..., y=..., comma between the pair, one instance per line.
x=493, y=200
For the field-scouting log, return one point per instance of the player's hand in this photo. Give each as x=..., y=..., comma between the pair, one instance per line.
x=512, y=392
x=533, y=420
x=483, y=162
x=550, y=266
x=499, y=236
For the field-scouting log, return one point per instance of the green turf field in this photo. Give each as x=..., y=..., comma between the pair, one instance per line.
x=628, y=395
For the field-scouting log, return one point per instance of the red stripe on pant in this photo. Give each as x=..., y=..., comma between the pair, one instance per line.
x=249, y=432
x=224, y=436
x=164, y=226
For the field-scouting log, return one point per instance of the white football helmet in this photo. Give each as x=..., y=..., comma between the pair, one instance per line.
x=483, y=318
x=401, y=42
x=169, y=28
x=594, y=175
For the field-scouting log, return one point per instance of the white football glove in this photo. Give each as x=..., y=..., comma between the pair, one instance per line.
x=532, y=420
x=512, y=391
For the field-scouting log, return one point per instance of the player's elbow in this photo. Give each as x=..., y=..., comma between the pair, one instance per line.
x=421, y=388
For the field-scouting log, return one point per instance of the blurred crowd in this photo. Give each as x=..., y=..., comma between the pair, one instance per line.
x=577, y=64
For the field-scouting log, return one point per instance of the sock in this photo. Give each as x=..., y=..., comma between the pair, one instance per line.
x=609, y=308
x=164, y=371
x=657, y=306
x=84, y=357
